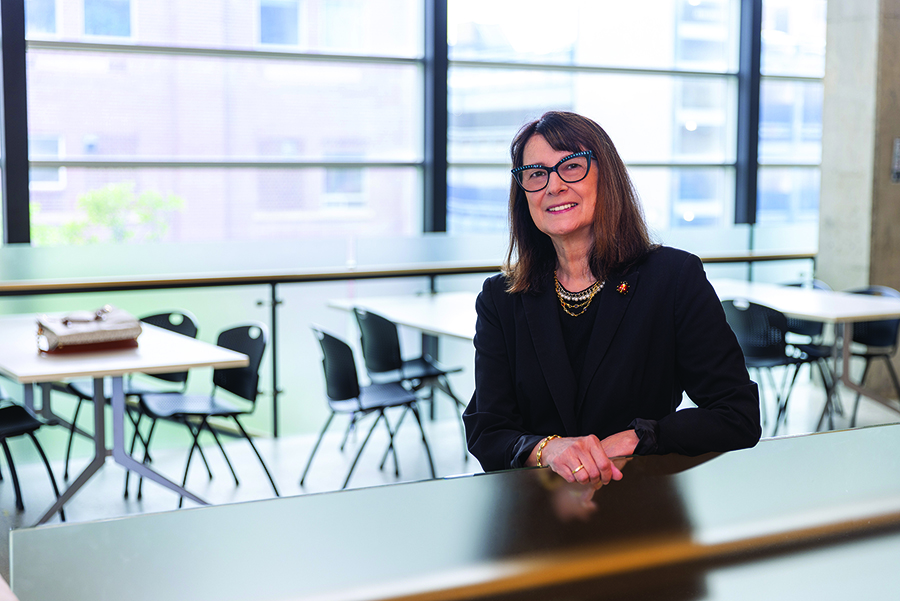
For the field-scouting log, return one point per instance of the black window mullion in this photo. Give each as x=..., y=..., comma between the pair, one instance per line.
x=748, y=112
x=16, y=218
x=436, y=61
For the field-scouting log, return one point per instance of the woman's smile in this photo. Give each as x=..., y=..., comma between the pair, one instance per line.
x=563, y=207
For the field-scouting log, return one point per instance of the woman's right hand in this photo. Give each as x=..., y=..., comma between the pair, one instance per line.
x=566, y=456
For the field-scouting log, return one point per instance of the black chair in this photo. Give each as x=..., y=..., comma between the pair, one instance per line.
x=760, y=331
x=16, y=420
x=181, y=322
x=809, y=342
x=380, y=343
x=346, y=396
x=879, y=339
x=194, y=411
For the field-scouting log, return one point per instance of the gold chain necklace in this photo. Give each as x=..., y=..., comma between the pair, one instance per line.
x=576, y=303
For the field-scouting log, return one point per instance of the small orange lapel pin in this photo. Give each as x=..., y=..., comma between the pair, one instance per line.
x=622, y=288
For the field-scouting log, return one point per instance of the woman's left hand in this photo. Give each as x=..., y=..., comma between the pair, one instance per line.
x=620, y=444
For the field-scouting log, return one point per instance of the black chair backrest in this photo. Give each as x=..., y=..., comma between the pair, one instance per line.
x=759, y=329
x=180, y=322
x=881, y=333
x=249, y=339
x=380, y=342
x=806, y=327
x=341, y=381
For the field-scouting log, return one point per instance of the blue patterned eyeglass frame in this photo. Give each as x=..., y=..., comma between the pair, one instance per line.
x=555, y=169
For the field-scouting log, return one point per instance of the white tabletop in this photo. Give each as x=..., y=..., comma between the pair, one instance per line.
x=439, y=314
x=453, y=313
x=808, y=303
x=158, y=351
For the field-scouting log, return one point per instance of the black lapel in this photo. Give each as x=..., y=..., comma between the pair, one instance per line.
x=546, y=335
x=617, y=294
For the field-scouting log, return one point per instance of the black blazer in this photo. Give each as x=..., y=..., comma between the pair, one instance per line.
x=657, y=335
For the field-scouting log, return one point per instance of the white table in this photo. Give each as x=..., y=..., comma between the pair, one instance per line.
x=439, y=314
x=826, y=306
x=829, y=306
x=158, y=351
x=453, y=314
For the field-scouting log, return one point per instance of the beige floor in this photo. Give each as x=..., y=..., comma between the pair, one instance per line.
x=102, y=496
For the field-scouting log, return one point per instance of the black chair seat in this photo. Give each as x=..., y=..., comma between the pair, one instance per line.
x=374, y=397
x=420, y=368
x=169, y=405
x=769, y=362
x=815, y=351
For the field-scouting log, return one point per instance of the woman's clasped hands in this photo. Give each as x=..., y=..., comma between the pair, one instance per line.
x=586, y=459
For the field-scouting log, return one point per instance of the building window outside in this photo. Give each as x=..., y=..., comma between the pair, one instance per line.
x=45, y=178
x=791, y=96
x=244, y=143
x=667, y=97
x=40, y=17
x=676, y=130
x=279, y=22
x=107, y=18
x=342, y=23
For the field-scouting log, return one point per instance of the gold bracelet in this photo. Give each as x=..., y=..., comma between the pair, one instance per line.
x=542, y=445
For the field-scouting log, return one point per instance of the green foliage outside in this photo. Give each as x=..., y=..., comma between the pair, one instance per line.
x=114, y=214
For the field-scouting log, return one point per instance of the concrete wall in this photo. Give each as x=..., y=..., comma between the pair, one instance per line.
x=859, y=228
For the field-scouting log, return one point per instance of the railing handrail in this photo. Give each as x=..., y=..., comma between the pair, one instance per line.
x=267, y=277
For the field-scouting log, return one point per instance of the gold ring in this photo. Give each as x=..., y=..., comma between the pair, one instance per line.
x=578, y=469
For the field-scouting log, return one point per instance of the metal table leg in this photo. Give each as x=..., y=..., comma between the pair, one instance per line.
x=845, y=373
x=100, y=451
x=120, y=455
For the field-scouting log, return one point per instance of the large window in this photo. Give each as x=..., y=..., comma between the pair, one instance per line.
x=284, y=118
x=659, y=76
x=230, y=120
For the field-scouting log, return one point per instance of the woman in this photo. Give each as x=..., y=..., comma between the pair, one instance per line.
x=587, y=341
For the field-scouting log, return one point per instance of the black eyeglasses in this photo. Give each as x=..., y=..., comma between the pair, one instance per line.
x=573, y=168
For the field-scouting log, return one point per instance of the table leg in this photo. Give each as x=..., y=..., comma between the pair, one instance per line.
x=121, y=456
x=100, y=451
x=831, y=390
x=845, y=373
x=28, y=396
x=46, y=410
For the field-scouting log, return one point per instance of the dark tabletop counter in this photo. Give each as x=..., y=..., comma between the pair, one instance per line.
x=769, y=522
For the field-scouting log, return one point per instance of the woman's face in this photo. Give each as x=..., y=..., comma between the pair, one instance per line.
x=563, y=211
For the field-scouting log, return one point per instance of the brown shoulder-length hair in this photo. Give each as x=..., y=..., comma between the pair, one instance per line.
x=620, y=232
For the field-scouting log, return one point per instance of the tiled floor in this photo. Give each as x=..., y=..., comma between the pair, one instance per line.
x=286, y=457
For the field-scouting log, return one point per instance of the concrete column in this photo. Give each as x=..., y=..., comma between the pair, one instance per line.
x=859, y=226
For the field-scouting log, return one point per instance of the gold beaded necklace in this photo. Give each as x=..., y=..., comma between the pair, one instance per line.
x=576, y=303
